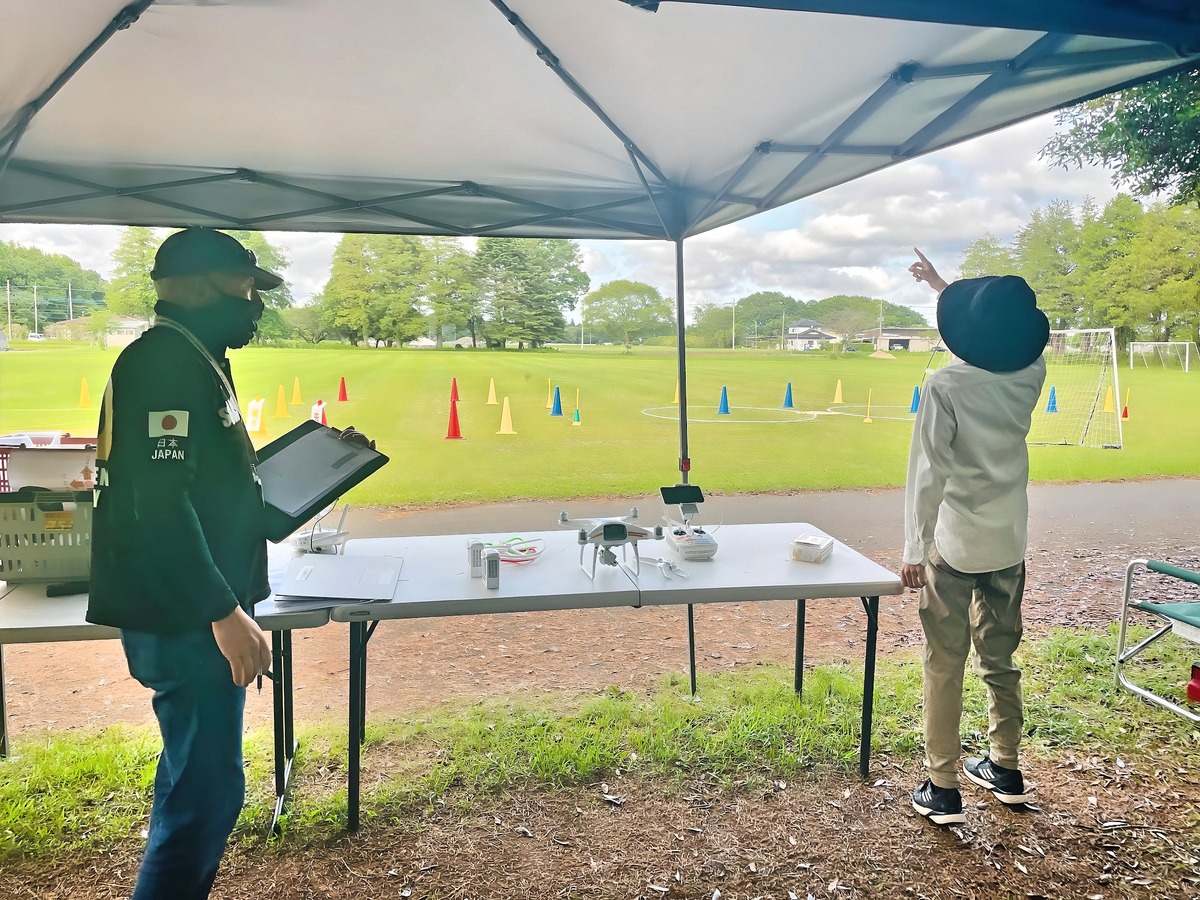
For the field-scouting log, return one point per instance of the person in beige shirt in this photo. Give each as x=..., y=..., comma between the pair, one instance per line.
x=965, y=522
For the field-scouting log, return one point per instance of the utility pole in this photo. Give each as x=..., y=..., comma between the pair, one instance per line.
x=8, y=301
x=879, y=345
x=35, y=318
x=581, y=305
x=70, y=303
x=733, y=329
x=783, y=333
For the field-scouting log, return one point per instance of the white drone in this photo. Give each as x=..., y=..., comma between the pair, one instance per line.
x=603, y=534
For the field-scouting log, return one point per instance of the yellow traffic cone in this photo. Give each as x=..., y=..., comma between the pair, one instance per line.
x=506, y=420
x=837, y=394
x=1109, y=405
x=549, y=395
x=296, y=401
x=676, y=400
x=868, y=418
x=281, y=410
x=85, y=396
x=491, y=400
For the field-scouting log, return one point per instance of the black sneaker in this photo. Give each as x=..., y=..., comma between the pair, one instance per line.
x=942, y=806
x=1006, y=784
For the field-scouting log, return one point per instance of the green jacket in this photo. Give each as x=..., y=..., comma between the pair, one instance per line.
x=177, y=532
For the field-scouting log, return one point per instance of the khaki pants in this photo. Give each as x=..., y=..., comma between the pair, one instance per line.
x=960, y=610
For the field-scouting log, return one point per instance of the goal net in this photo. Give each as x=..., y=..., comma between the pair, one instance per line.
x=1163, y=354
x=1080, y=404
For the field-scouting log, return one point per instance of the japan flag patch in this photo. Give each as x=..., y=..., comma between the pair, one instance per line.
x=169, y=423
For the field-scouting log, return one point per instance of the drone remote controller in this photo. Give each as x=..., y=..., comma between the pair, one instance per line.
x=690, y=541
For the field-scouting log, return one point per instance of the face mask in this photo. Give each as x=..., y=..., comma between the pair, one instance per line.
x=237, y=318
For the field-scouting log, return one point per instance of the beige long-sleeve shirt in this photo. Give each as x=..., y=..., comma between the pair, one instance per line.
x=968, y=468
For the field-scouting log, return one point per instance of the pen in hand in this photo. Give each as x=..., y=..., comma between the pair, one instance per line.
x=265, y=672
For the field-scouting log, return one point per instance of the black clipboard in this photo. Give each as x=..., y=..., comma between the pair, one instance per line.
x=305, y=470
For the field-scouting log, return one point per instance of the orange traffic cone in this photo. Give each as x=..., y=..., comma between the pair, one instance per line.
x=453, y=432
x=453, y=390
x=318, y=413
x=342, y=390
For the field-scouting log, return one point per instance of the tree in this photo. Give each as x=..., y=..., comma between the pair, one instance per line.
x=64, y=288
x=1046, y=255
x=450, y=294
x=628, y=309
x=131, y=292
x=713, y=325
x=765, y=312
x=375, y=283
x=525, y=285
x=1148, y=136
x=309, y=323
x=987, y=256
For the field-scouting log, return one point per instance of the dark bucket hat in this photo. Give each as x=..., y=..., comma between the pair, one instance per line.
x=993, y=323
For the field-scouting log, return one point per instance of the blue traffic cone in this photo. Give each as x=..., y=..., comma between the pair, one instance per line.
x=1052, y=406
x=723, y=409
x=556, y=409
x=787, y=397
x=916, y=401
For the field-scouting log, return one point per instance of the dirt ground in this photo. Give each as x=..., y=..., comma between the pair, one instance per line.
x=1104, y=830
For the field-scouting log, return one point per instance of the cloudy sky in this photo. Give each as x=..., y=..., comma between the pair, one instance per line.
x=854, y=239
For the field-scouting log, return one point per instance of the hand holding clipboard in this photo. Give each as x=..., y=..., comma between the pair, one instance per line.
x=307, y=468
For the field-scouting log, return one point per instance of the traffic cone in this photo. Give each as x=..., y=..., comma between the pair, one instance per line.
x=506, y=420
x=576, y=421
x=1125, y=410
x=549, y=395
x=837, y=392
x=454, y=390
x=85, y=396
x=453, y=432
x=556, y=408
x=787, y=397
x=317, y=414
x=916, y=400
x=342, y=398
x=1052, y=404
x=491, y=400
x=1109, y=405
x=723, y=409
x=296, y=400
x=676, y=400
x=281, y=410
x=867, y=420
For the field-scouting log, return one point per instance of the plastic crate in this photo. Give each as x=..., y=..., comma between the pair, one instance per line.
x=45, y=535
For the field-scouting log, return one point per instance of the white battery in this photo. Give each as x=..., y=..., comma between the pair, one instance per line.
x=814, y=548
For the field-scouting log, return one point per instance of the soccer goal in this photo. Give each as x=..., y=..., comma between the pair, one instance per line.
x=1163, y=354
x=1080, y=404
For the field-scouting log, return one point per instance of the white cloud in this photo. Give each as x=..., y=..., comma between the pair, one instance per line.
x=852, y=239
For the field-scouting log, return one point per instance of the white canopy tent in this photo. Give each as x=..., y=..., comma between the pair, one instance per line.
x=558, y=118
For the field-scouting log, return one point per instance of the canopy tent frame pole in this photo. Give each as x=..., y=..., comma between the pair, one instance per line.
x=112, y=192
x=991, y=85
x=14, y=130
x=1179, y=26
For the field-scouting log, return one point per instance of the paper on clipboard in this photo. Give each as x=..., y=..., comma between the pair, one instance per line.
x=307, y=468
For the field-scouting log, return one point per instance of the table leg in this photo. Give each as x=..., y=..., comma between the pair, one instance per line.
x=871, y=605
x=798, y=679
x=3, y=710
x=285, y=738
x=358, y=649
x=692, y=646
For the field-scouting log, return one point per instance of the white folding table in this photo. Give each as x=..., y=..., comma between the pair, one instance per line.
x=751, y=564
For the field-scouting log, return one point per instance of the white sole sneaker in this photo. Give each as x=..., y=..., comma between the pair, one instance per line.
x=940, y=818
x=1005, y=798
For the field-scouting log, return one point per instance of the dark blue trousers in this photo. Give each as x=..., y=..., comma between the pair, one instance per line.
x=200, y=784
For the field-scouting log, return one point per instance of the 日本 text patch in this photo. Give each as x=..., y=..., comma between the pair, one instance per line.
x=169, y=423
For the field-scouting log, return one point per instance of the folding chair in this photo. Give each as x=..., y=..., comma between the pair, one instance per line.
x=1182, y=619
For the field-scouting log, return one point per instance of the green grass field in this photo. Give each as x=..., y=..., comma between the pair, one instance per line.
x=401, y=398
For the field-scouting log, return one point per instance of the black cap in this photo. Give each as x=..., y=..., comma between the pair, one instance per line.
x=196, y=251
x=993, y=323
